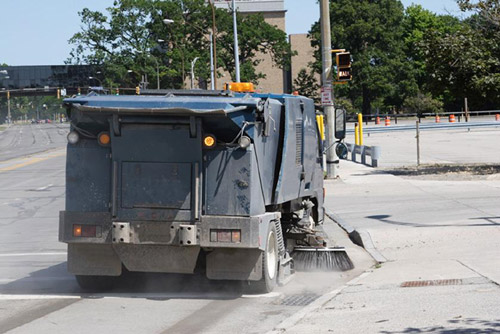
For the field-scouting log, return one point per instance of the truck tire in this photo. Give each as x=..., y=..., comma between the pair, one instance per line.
x=270, y=258
x=95, y=283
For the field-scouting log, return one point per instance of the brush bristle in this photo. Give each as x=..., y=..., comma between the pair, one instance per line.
x=332, y=260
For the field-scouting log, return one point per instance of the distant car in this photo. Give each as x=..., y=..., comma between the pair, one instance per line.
x=48, y=121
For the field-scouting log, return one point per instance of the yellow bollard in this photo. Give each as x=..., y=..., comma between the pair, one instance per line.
x=360, y=122
x=356, y=134
x=321, y=125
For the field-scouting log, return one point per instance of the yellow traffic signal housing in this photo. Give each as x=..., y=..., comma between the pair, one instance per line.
x=344, y=66
x=138, y=90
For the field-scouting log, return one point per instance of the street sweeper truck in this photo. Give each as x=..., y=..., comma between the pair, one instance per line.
x=230, y=182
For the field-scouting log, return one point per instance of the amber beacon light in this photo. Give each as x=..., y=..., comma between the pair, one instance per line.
x=240, y=87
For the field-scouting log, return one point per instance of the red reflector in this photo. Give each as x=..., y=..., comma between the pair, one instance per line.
x=224, y=236
x=89, y=231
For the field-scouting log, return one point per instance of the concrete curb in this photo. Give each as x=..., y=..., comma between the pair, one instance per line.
x=360, y=237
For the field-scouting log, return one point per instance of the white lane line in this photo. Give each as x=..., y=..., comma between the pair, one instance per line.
x=15, y=199
x=37, y=297
x=44, y=188
x=265, y=295
x=33, y=254
x=35, y=279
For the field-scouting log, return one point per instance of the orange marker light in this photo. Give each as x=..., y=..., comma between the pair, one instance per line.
x=77, y=230
x=236, y=236
x=209, y=141
x=104, y=138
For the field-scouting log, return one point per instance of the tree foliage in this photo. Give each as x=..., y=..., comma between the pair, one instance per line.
x=488, y=10
x=372, y=32
x=131, y=40
x=422, y=104
x=306, y=85
x=413, y=57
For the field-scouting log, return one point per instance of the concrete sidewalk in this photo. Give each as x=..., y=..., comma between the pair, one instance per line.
x=442, y=238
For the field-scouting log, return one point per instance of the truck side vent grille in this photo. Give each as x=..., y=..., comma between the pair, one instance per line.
x=298, y=139
x=279, y=237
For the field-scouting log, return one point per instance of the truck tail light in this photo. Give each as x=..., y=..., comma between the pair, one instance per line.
x=228, y=236
x=77, y=230
x=236, y=236
x=86, y=231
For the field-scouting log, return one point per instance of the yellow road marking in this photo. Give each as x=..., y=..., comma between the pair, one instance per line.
x=31, y=161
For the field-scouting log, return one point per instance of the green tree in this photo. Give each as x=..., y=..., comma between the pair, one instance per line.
x=488, y=10
x=125, y=42
x=422, y=104
x=307, y=85
x=373, y=33
x=465, y=63
x=417, y=23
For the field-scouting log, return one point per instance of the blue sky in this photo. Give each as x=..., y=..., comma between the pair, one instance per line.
x=35, y=32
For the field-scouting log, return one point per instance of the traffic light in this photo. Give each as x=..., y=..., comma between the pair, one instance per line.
x=344, y=66
x=138, y=90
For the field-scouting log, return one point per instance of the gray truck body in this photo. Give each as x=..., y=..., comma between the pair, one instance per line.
x=157, y=197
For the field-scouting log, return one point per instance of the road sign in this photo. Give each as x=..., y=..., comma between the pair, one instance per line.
x=326, y=96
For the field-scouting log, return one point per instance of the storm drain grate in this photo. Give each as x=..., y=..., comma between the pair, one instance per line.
x=439, y=282
x=299, y=300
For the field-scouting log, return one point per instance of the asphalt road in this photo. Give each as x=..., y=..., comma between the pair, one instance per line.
x=21, y=140
x=37, y=295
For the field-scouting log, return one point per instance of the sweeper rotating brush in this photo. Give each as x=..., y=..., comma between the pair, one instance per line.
x=310, y=258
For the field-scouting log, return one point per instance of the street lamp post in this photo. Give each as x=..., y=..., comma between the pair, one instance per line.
x=214, y=45
x=212, y=66
x=236, y=50
x=157, y=73
x=98, y=80
x=213, y=55
x=157, y=67
x=192, y=71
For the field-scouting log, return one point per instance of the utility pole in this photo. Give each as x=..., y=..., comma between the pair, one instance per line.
x=236, y=50
x=332, y=160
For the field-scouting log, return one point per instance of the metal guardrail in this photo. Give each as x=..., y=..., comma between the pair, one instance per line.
x=428, y=127
x=459, y=114
x=374, y=152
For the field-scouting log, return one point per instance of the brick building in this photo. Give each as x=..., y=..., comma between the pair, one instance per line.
x=277, y=80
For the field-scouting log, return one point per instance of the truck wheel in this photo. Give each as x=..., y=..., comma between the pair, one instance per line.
x=269, y=264
x=95, y=283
